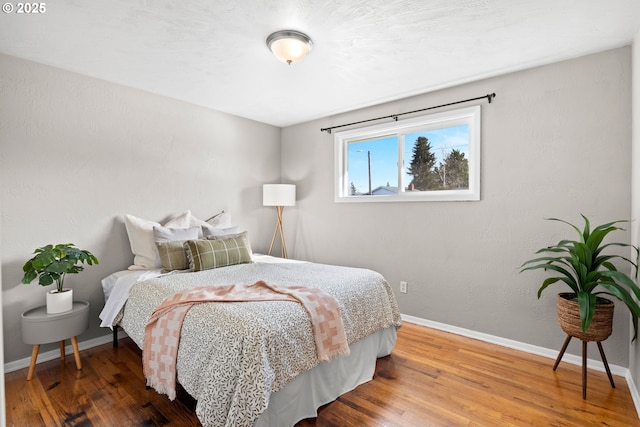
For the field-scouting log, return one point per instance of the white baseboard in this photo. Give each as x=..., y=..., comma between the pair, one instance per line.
x=634, y=391
x=55, y=354
x=532, y=349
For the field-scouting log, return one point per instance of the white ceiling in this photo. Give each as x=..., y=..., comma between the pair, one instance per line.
x=213, y=53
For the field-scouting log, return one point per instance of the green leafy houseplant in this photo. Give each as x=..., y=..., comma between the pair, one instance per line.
x=588, y=271
x=53, y=263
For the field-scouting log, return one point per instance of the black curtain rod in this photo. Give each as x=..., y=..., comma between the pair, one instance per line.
x=489, y=97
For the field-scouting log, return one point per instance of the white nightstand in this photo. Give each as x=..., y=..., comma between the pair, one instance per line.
x=38, y=327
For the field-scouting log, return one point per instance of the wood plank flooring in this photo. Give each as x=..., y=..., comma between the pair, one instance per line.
x=432, y=378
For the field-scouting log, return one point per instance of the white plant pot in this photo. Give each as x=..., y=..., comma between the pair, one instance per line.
x=59, y=302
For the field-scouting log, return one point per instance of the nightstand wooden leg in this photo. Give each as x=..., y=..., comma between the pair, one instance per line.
x=62, y=350
x=34, y=358
x=76, y=352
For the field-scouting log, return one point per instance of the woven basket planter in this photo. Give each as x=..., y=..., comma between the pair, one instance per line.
x=569, y=318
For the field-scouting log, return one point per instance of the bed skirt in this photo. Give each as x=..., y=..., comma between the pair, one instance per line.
x=302, y=397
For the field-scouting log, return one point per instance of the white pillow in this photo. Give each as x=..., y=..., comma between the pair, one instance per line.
x=184, y=220
x=212, y=225
x=143, y=242
x=221, y=220
x=166, y=234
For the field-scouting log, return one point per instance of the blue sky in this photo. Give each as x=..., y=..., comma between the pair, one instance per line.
x=384, y=155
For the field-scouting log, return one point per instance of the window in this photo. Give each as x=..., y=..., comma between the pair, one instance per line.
x=430, y=158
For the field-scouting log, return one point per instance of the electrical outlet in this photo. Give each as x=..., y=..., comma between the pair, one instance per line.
x=403, y=287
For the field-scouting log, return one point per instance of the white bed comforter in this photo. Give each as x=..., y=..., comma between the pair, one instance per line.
x=232, y=356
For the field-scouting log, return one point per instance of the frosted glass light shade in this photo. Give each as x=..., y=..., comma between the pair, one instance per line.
x=278, y=195
x=289, y=46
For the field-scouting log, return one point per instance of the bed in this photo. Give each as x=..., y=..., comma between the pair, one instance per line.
x=255, y=363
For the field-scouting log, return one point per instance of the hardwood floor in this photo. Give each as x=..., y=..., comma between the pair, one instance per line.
x=432, y=378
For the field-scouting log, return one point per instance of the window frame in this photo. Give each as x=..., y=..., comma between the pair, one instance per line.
x=470, y=116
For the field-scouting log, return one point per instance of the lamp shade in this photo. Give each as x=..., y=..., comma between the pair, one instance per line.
x=278, y=195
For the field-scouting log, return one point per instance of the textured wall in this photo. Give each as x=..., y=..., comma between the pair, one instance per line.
x=77, y=153
x=556, y=142
x=634, y=356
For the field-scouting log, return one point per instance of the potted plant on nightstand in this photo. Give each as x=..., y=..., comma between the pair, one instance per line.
x=589, y=272
x=51, y=264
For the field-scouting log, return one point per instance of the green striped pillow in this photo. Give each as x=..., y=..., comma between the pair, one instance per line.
x=208, y=254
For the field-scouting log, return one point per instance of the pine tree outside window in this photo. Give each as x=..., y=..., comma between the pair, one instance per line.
x=434, y=157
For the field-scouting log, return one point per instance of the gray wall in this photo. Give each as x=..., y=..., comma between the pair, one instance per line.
x=556, y=142
x=634, y=354
x=77, y=153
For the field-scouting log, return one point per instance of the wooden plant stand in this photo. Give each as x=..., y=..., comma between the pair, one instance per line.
x=584, y=363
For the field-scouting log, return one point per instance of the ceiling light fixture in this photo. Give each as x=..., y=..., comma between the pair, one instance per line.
x=289, y=45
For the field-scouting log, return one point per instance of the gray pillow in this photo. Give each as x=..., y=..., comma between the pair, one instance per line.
x=163, y=234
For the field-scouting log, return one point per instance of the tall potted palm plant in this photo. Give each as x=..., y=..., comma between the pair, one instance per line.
x=588, y=270
x=50, y=265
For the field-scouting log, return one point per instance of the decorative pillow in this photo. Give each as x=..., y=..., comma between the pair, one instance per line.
x=184, y=220
x=216, y=233
x=220, y=220
x=212, y=225
x=173, y=255
x=142, y=239
x=208, y=254
x=164, y=234
x=241, y=234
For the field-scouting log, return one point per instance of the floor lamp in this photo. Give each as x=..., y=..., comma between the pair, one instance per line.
x=279, y=195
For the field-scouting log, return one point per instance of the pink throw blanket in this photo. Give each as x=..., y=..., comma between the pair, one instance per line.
x=162, y=333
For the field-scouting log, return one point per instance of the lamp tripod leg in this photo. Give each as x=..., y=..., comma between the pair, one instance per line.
x=279, y=210
x=284, y=245
x=273, y=239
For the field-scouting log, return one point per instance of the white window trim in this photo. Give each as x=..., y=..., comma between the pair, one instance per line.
x=470, y=116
